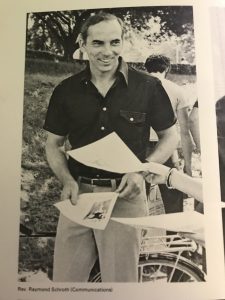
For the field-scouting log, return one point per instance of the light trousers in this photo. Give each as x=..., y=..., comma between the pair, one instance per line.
x=77, y=247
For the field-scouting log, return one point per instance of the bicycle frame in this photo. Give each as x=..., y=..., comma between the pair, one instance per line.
x=167, y=251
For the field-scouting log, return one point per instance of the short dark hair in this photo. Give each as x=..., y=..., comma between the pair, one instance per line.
x=97, y=18
x=157, y=63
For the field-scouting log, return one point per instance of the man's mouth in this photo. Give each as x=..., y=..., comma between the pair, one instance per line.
x=106, y=61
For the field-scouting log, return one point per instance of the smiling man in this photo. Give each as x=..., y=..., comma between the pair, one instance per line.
x=107, y=96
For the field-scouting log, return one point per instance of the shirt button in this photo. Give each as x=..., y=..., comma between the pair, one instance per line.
x=102, y=128
x=131, y=119
x=104, y=108
x=97, y=175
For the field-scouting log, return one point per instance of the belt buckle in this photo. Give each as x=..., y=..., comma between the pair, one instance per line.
x=92, y=181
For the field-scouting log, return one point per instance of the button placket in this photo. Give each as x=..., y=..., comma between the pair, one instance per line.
x=103, y=117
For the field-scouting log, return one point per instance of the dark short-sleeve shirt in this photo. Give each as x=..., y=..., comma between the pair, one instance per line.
x=134, y=103
x=220, y=114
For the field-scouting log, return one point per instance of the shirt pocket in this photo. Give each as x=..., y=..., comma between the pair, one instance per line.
x=133, y=117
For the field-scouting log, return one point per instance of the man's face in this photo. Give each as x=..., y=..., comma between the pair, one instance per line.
x=103, y=46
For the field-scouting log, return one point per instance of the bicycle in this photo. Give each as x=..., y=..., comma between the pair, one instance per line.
x=161, y=260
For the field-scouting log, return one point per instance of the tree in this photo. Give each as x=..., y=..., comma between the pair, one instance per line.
x=58, y=31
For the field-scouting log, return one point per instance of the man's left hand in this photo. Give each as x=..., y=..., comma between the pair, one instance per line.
x=131, y=185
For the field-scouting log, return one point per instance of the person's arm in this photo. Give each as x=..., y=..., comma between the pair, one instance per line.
x=179, y=181
x=57, y=161
x=186, y=142
x=168, y=142
x=186, y=184
x=132, y=183
x=175, y=160
x=194, y=127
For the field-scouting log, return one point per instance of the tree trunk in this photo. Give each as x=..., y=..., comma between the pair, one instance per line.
x=69, y=49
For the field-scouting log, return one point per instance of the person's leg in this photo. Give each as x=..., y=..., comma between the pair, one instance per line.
x=194, y=127
x=75, y=249
x=172, y=199
x=75, y=252
x=119, y=245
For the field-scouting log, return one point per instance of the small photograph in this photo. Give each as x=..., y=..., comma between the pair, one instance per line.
x=98, y=211
x=218, y=46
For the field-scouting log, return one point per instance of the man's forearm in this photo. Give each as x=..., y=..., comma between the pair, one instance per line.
x=168, y=141
x=186, y=142
x=58, y=163
x=187, y=148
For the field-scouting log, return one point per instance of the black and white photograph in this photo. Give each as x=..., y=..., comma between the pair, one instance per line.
x=217, y=15
x=112, y=150
x=218, y=46
x=98, y=211
x=89, y=73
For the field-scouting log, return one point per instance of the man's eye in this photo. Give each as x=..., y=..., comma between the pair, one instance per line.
x=115, y=43
x=97, y=43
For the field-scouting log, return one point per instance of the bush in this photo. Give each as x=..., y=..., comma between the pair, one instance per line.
x=48, y=67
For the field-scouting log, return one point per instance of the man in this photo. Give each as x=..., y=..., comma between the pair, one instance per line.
x=107, y=96
x=220, y=115
x=159, y=66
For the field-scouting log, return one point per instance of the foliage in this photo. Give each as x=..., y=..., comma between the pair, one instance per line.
x=42, y=187
x=36, y=254
x=58, y=31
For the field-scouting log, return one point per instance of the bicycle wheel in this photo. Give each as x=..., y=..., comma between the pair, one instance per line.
x=166, y=267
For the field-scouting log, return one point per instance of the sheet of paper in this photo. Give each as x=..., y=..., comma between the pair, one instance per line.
x=109, y=153
x=92, y=209
x=112, y=154
x=189, y=221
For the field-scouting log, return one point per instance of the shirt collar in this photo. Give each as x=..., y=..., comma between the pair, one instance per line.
x=122, y=69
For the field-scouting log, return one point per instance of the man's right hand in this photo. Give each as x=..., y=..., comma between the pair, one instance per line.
x=70, y=191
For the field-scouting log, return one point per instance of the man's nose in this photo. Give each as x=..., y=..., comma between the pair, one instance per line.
x=107, y=50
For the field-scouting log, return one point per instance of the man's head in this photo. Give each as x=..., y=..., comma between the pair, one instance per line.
x=157, y=64
x=95, y=19
x=102, y=39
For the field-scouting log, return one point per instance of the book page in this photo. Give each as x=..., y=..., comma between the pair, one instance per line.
x=35, y=58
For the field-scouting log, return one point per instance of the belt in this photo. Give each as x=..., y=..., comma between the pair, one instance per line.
x=100, y=181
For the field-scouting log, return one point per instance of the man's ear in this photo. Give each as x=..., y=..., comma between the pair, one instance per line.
x=81, y=43
x=167, y=71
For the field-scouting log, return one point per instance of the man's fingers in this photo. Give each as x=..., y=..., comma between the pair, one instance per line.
x=73, y=201
x=130, y=191
x=125, y=192
x=65, y=195
x=74, y=197
x=149, y=178
x=70, y=192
